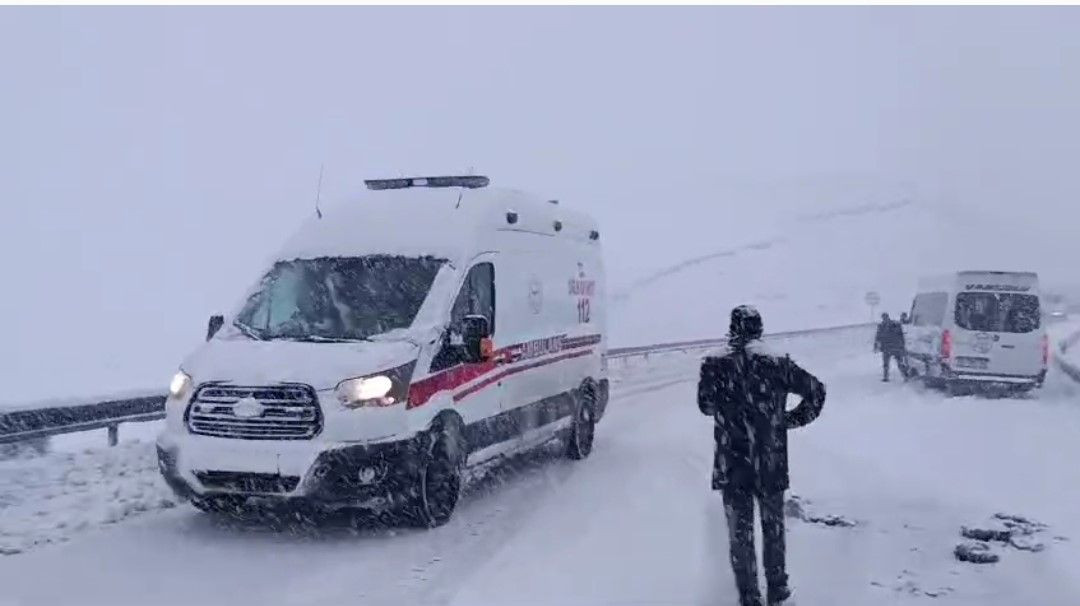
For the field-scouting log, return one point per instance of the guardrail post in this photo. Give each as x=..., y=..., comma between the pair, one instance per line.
x=114, y=434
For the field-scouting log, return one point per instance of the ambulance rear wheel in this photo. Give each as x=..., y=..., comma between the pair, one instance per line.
x=579, y=442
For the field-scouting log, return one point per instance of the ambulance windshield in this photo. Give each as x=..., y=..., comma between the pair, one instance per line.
x=338, y=298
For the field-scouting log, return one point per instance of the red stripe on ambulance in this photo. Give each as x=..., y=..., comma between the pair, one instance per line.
x=451, y=379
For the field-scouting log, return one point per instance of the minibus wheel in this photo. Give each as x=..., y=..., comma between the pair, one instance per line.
x=955, y=389
x=579, y=442
x=1023, y=391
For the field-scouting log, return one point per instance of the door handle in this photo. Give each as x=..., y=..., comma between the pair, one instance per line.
x=1008, y=347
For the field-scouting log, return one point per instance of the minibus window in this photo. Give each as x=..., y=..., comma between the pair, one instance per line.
x=929, y=309
x=338, y=298
x=997, y=312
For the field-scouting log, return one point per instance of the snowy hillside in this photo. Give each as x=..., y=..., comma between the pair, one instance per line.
x=807, y=270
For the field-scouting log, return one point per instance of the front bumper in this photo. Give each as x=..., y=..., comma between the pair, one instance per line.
x=371, y=476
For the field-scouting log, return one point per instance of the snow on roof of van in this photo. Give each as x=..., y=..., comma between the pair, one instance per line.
x=427, y=221
x=959, y=279
x=1011, y=274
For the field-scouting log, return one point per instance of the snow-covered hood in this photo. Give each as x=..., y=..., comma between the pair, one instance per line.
x=321, y=365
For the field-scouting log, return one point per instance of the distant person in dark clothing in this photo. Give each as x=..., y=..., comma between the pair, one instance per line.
x=890, y=342
x=745, y=390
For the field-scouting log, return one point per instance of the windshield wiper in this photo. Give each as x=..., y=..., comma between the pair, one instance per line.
x=248, y=331
x=395, y=335
x=322, y=339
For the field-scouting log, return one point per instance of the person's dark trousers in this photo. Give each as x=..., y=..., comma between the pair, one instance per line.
x=886, y=358
x=901, y=363
x=739, y=505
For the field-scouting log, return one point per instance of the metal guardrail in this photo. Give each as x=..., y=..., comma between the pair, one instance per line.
x=29, y=424
x=702, y=344
x=1067, y=367
x=46, y=421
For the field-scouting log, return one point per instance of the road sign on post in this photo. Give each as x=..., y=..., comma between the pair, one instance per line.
x=873, y=299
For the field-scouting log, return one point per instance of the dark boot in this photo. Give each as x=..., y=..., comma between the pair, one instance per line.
x=778, y=595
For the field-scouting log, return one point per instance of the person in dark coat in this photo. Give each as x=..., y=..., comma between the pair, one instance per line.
x=745, y=390
x=890, y=342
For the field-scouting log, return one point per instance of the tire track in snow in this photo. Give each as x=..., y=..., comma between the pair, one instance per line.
x=765, y=244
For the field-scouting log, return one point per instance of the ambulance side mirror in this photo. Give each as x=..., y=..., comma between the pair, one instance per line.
x=476, y=337
x=212, y=327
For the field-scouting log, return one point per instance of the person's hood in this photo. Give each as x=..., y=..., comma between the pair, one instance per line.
x=746, y=324
x=245, y=361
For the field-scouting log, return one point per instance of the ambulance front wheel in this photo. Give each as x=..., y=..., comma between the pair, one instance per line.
x=440, y=479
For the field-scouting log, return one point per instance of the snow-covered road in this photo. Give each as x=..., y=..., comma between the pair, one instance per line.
x=636, y=523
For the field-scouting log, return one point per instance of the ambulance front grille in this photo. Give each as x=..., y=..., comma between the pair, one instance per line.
x=279, y=412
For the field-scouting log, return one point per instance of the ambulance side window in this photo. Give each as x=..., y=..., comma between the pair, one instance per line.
x=476, y=297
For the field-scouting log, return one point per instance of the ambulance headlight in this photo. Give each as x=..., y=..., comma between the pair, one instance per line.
x=180, y=386
x=387, y=388
x=366, y=391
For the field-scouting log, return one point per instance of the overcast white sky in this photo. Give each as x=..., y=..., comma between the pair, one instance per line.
x=151, y=158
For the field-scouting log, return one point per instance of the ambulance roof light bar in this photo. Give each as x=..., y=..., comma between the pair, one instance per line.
x=469, y=181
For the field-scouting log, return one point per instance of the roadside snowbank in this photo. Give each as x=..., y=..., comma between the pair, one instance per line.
x=1069, y=347
x=51, y=498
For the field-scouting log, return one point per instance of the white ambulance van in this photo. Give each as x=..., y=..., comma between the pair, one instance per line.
x=978, y=329
x=431, y=325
